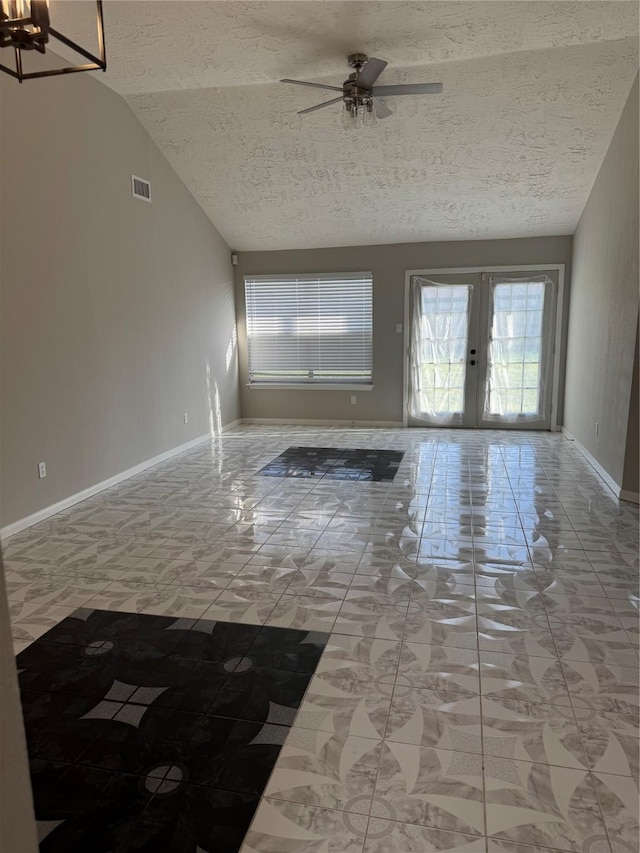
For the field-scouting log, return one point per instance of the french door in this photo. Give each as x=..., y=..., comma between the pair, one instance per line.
x=481, y=349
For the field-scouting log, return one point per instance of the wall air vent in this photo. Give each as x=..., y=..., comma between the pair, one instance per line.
x=141, y=188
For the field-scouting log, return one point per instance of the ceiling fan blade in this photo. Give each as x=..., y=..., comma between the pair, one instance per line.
x=407, y=89
x=314, y=85
x=319, y=106
x=382, y=110
x=372, y=70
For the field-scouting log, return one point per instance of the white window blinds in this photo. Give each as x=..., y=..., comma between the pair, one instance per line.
x=309, y=328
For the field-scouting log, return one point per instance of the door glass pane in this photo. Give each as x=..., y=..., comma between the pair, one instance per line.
x=440, y=346
x=515, y=349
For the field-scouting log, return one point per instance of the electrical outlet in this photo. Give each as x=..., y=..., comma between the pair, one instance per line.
x=186, y=417
x=597, y=429
x=354, y=399
x=42, y=470
x=398, y=328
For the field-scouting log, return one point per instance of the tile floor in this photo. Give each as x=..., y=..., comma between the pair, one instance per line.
x=157, y=733
x=479, y=690
x=330, y=463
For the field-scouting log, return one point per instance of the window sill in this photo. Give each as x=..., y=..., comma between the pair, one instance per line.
x=306, y=386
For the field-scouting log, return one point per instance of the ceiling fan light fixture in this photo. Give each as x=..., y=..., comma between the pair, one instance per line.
x=358, y=113
x=25, y=26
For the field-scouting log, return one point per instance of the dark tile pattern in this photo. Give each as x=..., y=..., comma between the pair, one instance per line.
x=331, y=463
x=151, y=733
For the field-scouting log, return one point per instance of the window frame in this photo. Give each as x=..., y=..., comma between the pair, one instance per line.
x=328, y=383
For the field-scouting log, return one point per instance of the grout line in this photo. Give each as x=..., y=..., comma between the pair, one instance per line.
x=521, y=509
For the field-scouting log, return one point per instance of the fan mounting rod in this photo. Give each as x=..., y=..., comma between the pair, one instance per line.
x=356, y=96
x=357, y=60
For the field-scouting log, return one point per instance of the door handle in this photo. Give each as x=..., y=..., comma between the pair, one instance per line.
x=473, y=361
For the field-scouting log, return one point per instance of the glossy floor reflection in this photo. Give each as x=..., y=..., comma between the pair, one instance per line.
x=479, y=690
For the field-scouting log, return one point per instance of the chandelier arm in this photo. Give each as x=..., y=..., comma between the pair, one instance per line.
x=100, y=62
x=100, y=28
x=57, y=72
x=10, y=71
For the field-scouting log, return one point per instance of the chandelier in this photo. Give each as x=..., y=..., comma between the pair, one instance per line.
x=25, y=26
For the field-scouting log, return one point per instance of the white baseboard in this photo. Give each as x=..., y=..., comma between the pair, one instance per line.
x=65, y=503
x=608, y=479
x=60, y=506
x=320, y=423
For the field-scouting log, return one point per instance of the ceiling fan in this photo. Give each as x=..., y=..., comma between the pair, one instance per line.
x=358, y=93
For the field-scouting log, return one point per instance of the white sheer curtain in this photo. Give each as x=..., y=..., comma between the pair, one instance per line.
x=519, y=350
x=440, y=323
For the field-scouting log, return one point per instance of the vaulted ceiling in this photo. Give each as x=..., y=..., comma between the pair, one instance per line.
x=532, y=94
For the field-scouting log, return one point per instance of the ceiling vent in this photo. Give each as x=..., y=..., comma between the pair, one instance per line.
x=141, y=188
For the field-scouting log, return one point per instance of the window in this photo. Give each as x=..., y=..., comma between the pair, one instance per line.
x=311, y=329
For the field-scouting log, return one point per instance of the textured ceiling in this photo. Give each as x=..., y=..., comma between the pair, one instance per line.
x=532, y=93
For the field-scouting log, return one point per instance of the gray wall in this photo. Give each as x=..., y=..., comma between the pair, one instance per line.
x=116, y=314
x=388, y=265
x=604, y=303
x=631, y=474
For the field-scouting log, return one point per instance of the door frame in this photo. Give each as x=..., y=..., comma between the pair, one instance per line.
x=558, y=341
